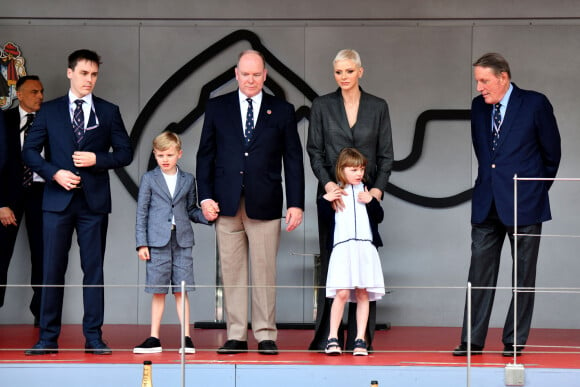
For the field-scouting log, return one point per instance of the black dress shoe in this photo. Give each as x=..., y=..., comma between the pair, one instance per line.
x=267, y=347
x=42, y=348
x=97, y=347
x=461, y=350
x=508, y=350
x=232, y=347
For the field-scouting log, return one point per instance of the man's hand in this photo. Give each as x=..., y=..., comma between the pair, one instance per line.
x=7, y=217
x=84, y=159
x=66, y=179
x=143, y=253
x=210, y=209
x=293, y=218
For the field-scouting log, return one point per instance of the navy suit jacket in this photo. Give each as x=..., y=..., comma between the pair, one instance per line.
x=12, y=174
x=529, y=146
x=53, y=126
x=227, y=168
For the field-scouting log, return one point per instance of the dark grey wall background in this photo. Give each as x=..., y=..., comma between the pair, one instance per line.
x=417, y=55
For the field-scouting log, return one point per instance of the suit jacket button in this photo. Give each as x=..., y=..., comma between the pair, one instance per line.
x=493, y=165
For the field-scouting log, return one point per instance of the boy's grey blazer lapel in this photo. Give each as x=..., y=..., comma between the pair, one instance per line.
x=160, y=182
x=181, y=181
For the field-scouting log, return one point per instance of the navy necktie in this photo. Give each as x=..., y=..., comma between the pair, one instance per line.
x=27, y=172
x=79, y=121
x=496, y=124
x=249, y=132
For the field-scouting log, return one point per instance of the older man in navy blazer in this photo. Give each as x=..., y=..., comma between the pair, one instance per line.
x=247, y=135
x=21, y=191
x=514, y=131
x=86, y=137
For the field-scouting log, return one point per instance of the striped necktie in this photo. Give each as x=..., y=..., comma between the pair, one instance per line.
x=26, y=171
x=79, y=121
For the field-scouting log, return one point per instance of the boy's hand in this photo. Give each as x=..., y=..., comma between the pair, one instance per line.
x=143, y=253
x=210, y=209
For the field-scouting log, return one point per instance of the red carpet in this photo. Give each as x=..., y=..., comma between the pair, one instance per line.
x=403, y=346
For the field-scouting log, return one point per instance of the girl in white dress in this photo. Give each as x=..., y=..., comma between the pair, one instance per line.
x=354, y=272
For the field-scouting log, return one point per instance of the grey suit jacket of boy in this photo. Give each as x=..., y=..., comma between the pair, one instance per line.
x=156, y=208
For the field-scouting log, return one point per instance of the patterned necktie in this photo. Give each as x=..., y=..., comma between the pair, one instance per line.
x=26, y=171
x=249, y=132
x=496, y=124
x=79, y=121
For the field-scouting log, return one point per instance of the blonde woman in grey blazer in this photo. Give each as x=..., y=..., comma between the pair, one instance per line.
x=348, y=117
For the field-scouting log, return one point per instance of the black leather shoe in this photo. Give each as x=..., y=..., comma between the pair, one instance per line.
x=461, y=350
x=508, y=350
x=97, y=347
x=267, y=347
x=42, y=348
x=232, y=347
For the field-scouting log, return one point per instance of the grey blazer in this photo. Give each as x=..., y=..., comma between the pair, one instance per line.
x=329, y=133
x=156, y=207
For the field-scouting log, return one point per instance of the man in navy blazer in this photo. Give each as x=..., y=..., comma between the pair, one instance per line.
x=239, y=176
x=514, y=132
x=3, y=139
x=21, y=191
x=85, y=137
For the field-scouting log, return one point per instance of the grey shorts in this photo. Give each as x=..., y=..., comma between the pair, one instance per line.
x=168, y=267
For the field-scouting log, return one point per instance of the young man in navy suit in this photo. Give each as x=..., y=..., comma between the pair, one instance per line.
x=85, y=138
x=21, y=191
x=514, y=131
x=247, y=135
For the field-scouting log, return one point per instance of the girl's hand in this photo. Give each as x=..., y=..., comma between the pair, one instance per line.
x=365, y=197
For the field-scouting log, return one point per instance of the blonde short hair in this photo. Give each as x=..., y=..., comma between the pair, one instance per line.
x=348, y=54
x=166, y=140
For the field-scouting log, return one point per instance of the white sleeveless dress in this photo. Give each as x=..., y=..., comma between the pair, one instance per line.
x=354, y=261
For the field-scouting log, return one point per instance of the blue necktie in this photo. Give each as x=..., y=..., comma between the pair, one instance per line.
x=496, y=124
x=79, y=121
x=249, y=132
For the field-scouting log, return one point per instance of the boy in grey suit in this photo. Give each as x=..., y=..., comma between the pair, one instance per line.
x=167, y=203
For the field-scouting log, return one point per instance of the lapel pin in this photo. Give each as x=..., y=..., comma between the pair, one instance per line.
x=268, y=111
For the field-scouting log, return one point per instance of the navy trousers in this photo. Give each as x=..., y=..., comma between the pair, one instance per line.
x=91, y=229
